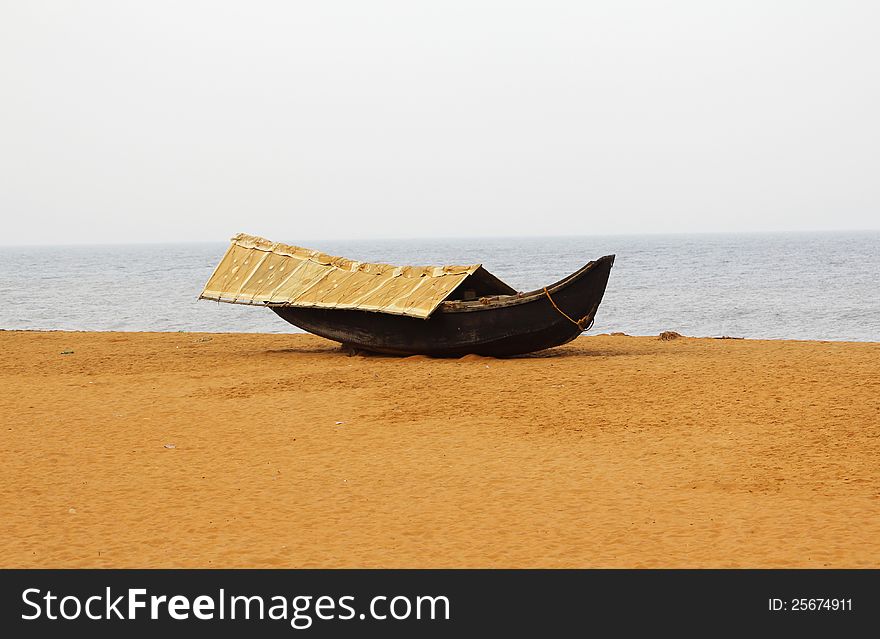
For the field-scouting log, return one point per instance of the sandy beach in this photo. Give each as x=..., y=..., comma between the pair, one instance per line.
x=234, y=450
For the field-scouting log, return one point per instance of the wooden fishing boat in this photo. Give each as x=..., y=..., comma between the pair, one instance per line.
x=438, y=311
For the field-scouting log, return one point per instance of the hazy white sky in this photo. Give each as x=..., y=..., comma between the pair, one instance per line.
x=177, y=120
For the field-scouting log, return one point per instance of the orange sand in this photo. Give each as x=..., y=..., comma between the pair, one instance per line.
x=613, y=451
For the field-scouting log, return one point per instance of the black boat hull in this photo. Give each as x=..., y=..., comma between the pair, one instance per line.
x=500, y=326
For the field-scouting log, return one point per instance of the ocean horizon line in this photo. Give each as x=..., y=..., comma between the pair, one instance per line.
x=759, y=233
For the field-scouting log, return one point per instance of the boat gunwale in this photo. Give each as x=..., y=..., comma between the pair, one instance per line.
x=500, y=301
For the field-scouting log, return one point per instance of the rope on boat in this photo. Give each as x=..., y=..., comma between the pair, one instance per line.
x=581, y=323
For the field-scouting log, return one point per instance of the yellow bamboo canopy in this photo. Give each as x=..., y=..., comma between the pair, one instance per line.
x=257, y=271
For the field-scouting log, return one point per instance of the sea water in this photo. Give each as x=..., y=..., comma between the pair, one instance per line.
x=823, y=286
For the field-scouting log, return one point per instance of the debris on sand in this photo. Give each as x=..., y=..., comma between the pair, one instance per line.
x=669, y=335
